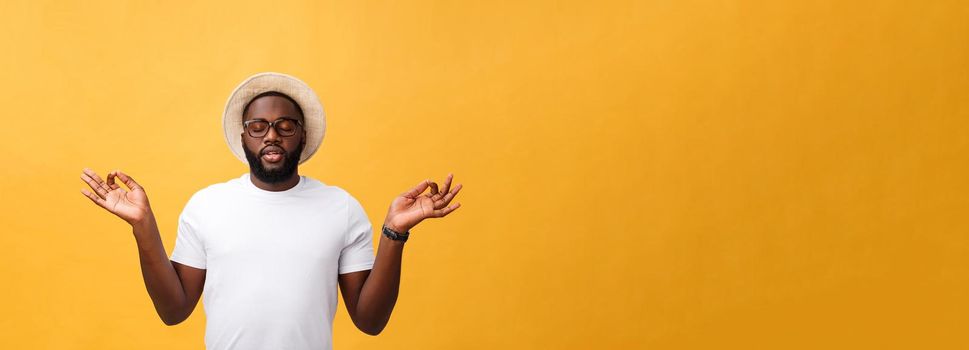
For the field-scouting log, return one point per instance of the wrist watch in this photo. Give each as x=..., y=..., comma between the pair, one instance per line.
x=396, y=236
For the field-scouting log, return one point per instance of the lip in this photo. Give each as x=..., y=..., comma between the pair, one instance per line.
x=269, y=149
x=272, y=154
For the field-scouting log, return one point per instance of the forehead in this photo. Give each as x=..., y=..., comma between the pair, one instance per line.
x=271, y=107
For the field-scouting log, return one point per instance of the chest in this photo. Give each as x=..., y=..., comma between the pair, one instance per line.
x=296, y=234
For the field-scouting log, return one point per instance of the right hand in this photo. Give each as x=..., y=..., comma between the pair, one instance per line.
x=131, y=205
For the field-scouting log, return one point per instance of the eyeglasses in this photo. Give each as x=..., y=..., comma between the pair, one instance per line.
x=284, y=127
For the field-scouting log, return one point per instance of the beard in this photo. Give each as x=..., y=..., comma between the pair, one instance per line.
x=277, y=175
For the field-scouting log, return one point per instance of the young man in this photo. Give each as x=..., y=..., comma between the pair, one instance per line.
x=268, y=248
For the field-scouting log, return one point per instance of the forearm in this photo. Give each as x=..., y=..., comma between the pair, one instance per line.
x=370, y=308
x=379, y=293
x=161, y=280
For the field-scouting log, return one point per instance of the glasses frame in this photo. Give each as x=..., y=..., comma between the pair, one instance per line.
x=272, y=125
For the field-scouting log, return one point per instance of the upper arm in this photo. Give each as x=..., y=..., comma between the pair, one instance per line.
x=193, y=280
x=350, y=286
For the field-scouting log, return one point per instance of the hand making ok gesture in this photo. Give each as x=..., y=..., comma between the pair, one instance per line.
x=411, y=207
x=131, y=205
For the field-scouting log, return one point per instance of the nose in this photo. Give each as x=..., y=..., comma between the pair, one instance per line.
x=271, y=137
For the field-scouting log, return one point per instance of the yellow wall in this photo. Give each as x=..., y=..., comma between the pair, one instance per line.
x=641, y=174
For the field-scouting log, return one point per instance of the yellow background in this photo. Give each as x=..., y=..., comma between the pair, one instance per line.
x=639, y=174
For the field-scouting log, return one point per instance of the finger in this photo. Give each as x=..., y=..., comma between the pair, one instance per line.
x=434, y=191
x=439, y=213
x=129, y=181
x=417, y=190
x=447, y=183
x=97, y=200
x=440, y=195
x=110, y=182
x=95, y=185
x=94, y=176
x=447, y=197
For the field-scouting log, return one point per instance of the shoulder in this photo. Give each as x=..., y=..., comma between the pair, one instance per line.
x=337, y=199
x=354, y=208
x=348, y=204
x=331, y=192
x=213, y=193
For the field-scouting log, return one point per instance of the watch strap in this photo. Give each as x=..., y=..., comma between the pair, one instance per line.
x=394, y=235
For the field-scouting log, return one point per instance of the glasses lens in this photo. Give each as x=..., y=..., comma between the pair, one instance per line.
x=257, y=128
x=285, y=127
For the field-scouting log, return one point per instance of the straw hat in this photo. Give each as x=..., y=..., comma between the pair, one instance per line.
x=314, y=121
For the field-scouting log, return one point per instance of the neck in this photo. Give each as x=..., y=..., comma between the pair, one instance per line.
x=291, y=182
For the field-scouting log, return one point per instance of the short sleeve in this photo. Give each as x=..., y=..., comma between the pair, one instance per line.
x=189, y=248
x=357, y=253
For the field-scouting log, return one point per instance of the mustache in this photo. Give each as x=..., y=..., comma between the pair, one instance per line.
x=269, y=149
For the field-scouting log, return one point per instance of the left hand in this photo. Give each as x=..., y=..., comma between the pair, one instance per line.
x=412, y=207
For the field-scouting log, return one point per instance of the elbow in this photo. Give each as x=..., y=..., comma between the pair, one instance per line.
x=173, y=319
x=372, y=331
x=371, y=328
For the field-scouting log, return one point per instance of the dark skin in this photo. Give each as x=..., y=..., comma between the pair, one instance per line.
x=270, y=108
x=175, y=289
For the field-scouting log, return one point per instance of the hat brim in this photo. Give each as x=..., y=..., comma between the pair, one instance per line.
x=314, y=121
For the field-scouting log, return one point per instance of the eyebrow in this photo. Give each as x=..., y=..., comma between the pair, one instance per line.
x=282, y=117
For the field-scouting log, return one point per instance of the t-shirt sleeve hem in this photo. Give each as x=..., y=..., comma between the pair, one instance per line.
x=355, y=268
x=188, y=262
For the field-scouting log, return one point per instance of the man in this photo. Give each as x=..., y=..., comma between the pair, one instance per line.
x=267, y=249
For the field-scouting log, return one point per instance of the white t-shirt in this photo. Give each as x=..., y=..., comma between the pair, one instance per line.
x=271, y=260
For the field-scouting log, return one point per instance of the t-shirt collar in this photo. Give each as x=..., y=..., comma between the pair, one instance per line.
x=251, y=187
